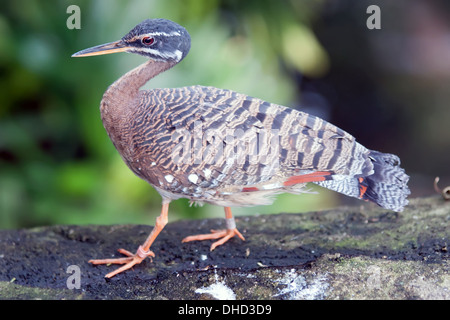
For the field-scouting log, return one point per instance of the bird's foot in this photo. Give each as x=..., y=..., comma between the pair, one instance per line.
x=128, y=262
x=223, y=235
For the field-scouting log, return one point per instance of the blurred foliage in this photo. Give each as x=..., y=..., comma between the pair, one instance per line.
x=57, y=164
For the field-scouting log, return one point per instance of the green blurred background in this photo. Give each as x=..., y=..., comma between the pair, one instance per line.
x=388, y=87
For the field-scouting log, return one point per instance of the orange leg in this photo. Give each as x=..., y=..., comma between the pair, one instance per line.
x=142, y=252
x=223, y=235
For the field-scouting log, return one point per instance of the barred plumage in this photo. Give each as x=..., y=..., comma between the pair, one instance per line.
x=225, y=148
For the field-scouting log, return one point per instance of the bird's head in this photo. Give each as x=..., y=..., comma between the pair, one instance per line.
x=157, y=39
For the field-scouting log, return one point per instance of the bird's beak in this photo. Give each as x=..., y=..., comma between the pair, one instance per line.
x=107, y=48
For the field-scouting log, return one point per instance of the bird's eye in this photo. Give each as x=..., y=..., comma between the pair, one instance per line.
x=148, y=41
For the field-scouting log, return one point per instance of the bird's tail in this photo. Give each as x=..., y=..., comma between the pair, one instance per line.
x=386, y=186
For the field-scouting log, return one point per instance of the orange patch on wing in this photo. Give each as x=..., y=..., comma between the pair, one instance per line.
x=362, y=189
x=249, y=189
x=304, y=178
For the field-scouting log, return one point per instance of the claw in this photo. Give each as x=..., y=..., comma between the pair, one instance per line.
x=129, y=261
x=223, y=235
x=142, y=252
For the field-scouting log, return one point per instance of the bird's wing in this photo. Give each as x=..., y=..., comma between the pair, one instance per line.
x=217, y=137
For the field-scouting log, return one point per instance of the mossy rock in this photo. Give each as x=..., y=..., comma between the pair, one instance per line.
x=361, y=252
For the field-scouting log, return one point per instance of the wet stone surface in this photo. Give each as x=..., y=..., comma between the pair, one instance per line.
x=361, y=252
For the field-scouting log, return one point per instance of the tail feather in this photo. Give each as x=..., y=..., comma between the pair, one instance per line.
x=386, y=186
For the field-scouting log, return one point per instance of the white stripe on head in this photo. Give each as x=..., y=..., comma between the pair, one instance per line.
x=161, y=33
x=175, y=55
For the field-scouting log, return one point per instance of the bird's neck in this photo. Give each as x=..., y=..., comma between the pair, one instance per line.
x=121, y=98
x=121, y=102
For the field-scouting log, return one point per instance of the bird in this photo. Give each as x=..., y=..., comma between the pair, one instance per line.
x=225, y=148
